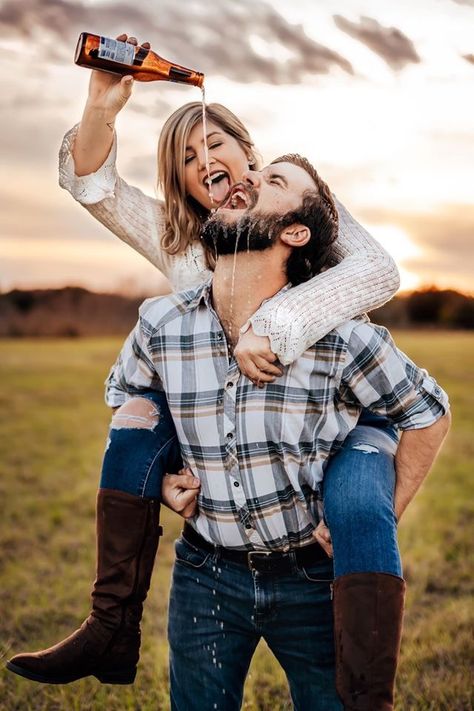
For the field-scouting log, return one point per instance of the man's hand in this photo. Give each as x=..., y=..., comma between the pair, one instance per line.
x=255, y=358
x=323, y=537
x=179, y=492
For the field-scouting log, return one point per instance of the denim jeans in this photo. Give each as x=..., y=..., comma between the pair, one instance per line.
x=219, y=610
x=137, y=458
x=358, y=489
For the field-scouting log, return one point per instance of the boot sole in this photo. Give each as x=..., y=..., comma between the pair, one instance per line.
x=126, y=676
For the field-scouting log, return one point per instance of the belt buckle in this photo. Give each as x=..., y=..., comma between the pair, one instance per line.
x=256, y=553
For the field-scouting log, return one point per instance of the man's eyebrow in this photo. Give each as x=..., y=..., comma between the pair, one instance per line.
x=209, y=135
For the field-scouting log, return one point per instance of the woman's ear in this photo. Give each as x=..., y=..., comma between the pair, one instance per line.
x=296, y=235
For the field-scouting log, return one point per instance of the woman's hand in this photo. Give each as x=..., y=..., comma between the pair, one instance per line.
x=323, y=537
x=110, y=92
x=255, y=358
x=179, y=492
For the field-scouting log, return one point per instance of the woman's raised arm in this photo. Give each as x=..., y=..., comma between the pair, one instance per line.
x=134, y=217
x=108, y=94
x=364, y=279
x=87, y=169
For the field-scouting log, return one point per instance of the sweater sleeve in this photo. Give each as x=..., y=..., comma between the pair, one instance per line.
x=364, y=278
x=134, y=217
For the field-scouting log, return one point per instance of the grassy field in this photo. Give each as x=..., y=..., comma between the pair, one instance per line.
x=53, y=423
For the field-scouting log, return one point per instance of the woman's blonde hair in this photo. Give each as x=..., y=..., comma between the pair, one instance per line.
x=184, y=215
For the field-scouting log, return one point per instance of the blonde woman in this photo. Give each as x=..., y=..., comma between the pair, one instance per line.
x=142, y=443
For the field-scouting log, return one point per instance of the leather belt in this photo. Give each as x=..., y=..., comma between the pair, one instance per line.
x=260, y=561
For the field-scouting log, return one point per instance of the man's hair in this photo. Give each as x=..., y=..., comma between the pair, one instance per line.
x=318, y=212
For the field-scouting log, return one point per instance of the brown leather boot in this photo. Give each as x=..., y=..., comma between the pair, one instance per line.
x=107, y=643
x=368, y=615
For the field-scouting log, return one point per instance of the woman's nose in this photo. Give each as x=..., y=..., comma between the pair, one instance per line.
x=202, y=159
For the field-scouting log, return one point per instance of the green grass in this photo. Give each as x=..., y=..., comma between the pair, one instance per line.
x=53, y=423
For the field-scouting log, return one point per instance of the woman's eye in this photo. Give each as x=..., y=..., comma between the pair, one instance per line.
x=216, y=145
x=188, y=159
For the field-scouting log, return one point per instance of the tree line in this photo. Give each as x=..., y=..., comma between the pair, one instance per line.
x=76, y=312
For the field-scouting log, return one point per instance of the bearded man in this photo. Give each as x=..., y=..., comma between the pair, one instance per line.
x=247, y=565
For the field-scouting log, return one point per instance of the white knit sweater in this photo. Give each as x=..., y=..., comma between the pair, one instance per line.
x=365, y=277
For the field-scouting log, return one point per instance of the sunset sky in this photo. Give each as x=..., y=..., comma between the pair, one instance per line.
x=378, y=94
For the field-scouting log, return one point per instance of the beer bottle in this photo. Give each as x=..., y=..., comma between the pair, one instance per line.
x=110, y=55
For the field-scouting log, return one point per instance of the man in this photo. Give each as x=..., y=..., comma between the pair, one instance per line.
x=247, y=566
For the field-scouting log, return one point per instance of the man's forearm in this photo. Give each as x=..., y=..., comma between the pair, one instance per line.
x=415, y=456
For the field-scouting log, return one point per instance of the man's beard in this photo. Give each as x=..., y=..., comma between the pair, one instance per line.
x=250, y=233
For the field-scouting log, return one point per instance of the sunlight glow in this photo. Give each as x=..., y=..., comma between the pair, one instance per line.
x=401, y=247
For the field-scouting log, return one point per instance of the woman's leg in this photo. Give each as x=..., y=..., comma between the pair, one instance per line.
x=368, y=591
x=142, y=447
x=358, y=493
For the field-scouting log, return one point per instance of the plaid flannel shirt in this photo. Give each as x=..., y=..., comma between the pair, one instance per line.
x=261, y=453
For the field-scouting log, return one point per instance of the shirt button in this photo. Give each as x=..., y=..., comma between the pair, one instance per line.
x=229, y=435
x=248, y=525
x=230, y=384
x=236, y=483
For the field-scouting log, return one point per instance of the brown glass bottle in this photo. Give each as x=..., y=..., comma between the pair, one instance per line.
x=110, y=55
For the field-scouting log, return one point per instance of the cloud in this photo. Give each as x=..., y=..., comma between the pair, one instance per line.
x=444, y=237
x=388, y=42
x=214, y=39
x=159, y=108
x=469, y=58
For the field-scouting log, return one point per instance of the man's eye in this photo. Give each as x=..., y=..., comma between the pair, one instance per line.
x=275, y=181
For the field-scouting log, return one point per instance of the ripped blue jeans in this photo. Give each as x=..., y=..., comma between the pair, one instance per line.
x=358, y=485
x=142, y=446
x=358, y=491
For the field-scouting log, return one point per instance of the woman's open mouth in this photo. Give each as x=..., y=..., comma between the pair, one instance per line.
x=218, y=184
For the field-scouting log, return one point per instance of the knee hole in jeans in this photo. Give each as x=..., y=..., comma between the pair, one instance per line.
x=136, y=413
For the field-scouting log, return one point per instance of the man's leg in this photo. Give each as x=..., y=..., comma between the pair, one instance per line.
x=299, y=630
x=211, y=633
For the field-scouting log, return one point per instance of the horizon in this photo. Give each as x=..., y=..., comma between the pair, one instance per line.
x=132, y=293
x=373, y=93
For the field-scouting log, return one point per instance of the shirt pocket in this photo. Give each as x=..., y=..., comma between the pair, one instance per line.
x=323, y=383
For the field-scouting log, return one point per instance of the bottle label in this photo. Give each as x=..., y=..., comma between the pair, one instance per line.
x=122, y=52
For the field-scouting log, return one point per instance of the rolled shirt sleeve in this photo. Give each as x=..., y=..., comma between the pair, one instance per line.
x=133, y=371
x=380, y=377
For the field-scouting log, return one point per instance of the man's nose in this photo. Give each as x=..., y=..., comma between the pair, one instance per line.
x=252, y=177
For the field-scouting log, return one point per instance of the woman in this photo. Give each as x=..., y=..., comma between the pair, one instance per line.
x=142, y=442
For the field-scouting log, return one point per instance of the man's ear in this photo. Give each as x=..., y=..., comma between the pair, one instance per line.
x=296, y=235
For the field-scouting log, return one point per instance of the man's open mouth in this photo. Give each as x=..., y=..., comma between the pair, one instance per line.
x=238, y=198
